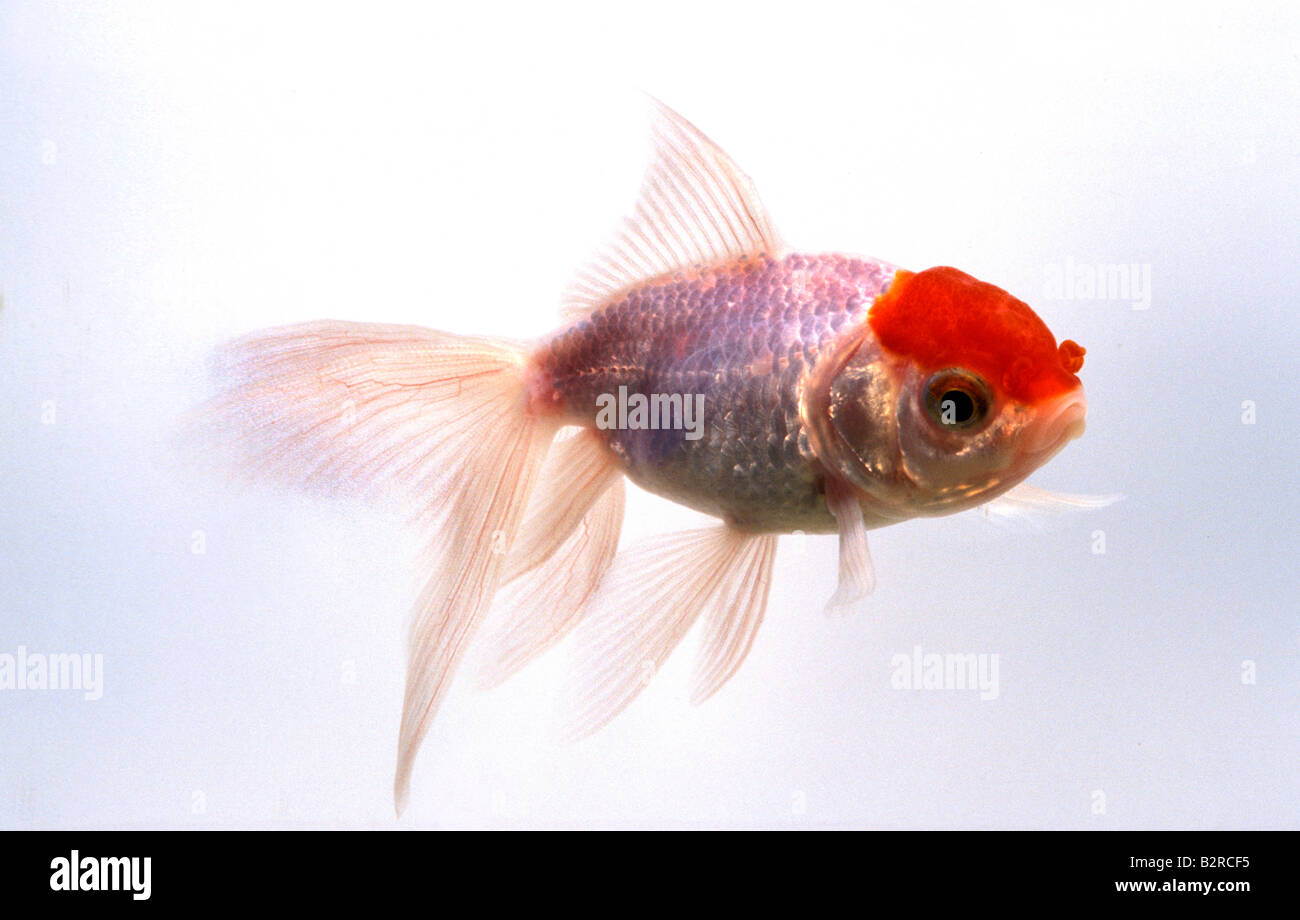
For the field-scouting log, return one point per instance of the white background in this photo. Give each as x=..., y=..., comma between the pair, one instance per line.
x=171, y=177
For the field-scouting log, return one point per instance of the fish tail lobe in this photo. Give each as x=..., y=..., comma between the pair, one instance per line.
x=439, y=425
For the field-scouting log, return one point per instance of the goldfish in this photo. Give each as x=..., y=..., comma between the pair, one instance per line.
x=706, y=362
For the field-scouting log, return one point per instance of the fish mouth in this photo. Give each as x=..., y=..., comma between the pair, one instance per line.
x=1063, y=420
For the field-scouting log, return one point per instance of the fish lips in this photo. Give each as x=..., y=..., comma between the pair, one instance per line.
x=1061, y=421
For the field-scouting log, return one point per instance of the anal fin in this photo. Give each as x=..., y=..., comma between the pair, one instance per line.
x=540, y=608
x=577, y=470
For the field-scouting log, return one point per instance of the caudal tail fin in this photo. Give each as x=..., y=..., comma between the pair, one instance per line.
x=435, y=422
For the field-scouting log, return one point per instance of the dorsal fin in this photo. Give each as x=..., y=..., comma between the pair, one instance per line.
x=695, y=208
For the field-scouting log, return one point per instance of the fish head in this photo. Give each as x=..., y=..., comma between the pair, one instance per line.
x=961, y=393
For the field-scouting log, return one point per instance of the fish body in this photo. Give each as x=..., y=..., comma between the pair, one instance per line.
x=815, y=393
x=759, y=342
x=742, y=335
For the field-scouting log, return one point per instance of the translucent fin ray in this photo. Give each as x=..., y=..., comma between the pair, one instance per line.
x=365, y=409
x=695, y=208
x=433, y=423
x=857, y=574
x=479, y=523
x=577, y=471
x=649, y=600
x=1031, y=507
x=732, y=624
x=543, y=606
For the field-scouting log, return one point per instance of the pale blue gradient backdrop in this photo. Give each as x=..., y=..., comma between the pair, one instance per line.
x=171, y=178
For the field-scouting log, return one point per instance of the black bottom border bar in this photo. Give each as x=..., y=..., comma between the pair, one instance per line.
x=300, y=869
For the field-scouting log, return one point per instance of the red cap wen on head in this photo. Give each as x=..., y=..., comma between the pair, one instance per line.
x=943, y=317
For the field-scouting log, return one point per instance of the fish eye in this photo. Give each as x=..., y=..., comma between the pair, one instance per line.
x=957, y=399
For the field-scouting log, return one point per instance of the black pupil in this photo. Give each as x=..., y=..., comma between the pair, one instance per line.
x=956, y=407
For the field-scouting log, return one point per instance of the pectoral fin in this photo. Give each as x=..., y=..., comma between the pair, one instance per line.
x=1029, y=506
x=857, y=574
